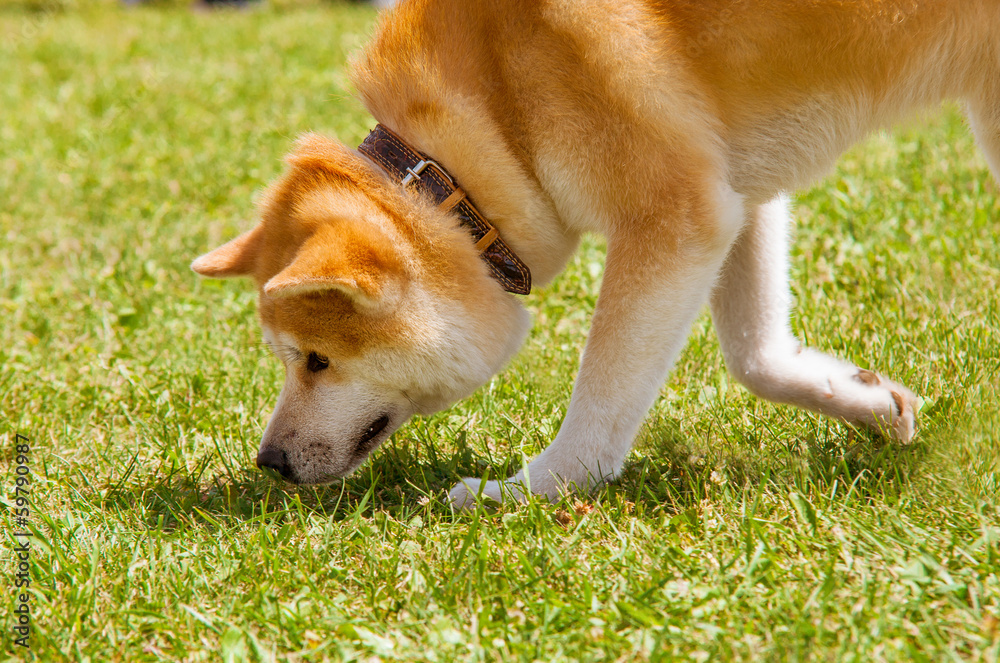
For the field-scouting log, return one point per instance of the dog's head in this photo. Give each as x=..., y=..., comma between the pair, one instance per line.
x=374, y=300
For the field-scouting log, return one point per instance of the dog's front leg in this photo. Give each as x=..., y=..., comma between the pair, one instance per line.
x=657, y=277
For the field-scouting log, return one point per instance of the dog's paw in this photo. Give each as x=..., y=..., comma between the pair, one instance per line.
x=468, y=491
x=901, y=422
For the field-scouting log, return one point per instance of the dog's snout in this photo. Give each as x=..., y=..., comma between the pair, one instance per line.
x=274, y=459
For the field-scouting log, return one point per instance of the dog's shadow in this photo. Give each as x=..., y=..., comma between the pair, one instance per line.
x=405, y=478
x=400, y=479
x=680, y=471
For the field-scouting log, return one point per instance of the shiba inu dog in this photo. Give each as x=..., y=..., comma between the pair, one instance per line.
x=506, y=130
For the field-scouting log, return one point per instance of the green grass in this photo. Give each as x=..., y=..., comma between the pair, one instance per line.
x=131, y=141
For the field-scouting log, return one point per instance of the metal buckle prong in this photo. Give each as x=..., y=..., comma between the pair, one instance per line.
x=414, y=173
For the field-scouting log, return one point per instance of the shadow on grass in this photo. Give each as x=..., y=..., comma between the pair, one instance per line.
x=399, y=479
x=405, y=476
x=682, y=471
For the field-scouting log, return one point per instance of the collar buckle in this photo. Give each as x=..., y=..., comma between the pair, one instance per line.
x=414, y=172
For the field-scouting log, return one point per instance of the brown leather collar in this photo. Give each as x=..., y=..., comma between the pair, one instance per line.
x=408, y=165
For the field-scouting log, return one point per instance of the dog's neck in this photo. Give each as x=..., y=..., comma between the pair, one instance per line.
x=410, y=167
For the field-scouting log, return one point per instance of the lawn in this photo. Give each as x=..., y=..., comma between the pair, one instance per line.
x=133, y=140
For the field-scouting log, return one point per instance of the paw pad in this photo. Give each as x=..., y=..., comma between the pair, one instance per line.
x=867, y=377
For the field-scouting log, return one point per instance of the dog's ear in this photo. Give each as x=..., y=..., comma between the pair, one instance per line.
x=234, y=258
x=358, y=262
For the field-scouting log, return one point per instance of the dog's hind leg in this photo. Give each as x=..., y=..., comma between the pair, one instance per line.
x=750, y=307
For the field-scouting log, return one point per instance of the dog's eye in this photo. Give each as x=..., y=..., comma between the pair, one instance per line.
x=373, y=431
x=316, y=363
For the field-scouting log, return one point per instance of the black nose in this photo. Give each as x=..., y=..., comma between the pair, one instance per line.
x=274, y=459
